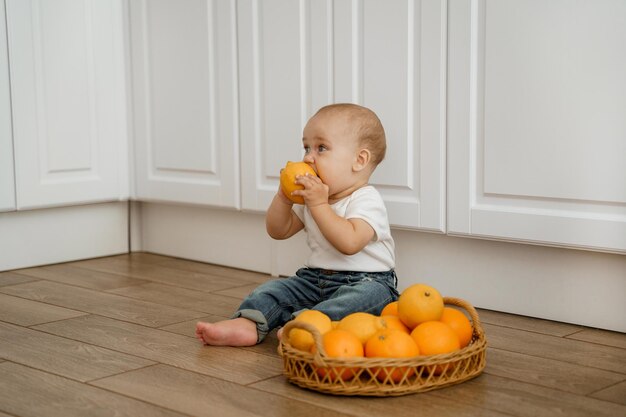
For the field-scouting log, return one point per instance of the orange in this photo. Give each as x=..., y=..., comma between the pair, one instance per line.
x=459, y=323
x=340, y=344
x=390, y=309
x=302, y=339
x=288, y=179
x=392, y=323
x=362, y=325
x=391, y=344
x=435, y=337
x=419, y=303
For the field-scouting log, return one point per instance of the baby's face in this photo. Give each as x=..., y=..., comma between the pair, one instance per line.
x=331, y=147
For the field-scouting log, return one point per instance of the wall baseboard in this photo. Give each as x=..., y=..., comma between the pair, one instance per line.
x=40, y=237
x=572, y=286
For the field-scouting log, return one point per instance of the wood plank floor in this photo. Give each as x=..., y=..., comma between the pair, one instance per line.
x=115, y=337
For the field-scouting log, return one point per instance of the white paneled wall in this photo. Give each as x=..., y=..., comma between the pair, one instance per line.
x=184, y=79
x=284, y=75
x=389, y=56
x=537, y=98
x=68, y=101
x=7, y=179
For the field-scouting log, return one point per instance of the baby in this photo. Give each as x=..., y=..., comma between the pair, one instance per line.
x=351, y=265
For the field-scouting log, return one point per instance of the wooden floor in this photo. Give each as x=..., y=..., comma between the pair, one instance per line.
x=115, y=336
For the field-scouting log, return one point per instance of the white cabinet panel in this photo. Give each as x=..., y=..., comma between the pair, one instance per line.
x=284, y=76
x=536, y=121
x=185, y=101
x=389, y=56
x=67, y=80
x=7, y=179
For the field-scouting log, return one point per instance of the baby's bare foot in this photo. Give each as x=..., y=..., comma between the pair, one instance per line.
x=235, y=332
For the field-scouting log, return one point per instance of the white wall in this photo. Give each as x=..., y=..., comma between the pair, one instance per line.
x=554, y=283
x=40, y=237
x=567, y=285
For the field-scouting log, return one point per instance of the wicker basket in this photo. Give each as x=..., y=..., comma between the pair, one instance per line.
x=372, y=375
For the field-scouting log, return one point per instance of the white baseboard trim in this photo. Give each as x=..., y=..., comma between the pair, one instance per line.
x=567, y=285
x=135, y=227
x=224, y=237
x=40, y=237
x=572, y=286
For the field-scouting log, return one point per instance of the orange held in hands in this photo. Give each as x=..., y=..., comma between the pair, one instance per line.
x=288, y=179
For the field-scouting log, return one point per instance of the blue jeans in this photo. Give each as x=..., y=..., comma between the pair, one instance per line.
x=335, y=293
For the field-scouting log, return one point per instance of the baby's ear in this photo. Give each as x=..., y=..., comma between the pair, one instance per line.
x=363, y=158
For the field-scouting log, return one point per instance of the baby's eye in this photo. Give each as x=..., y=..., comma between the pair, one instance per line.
x=307, y=149
x=322, y=148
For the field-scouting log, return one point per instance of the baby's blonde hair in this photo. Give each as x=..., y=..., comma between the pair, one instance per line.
x=369, y=129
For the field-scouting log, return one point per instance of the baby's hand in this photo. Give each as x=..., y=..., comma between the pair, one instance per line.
x=281, y=194
x=315, y=191
x=283, y=198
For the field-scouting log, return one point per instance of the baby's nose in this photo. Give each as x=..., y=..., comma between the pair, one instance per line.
x=308, y=159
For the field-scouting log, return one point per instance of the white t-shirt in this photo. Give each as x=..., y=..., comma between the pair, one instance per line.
x=377, y=256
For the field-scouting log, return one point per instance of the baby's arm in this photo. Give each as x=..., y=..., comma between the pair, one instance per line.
x=348, y=236
x=280, y=221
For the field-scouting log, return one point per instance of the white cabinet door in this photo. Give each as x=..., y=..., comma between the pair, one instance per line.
x=537, y=105
x=185, y=101
x=389, y=56
x=67, y=82
x=7, y=179
x=284, y=76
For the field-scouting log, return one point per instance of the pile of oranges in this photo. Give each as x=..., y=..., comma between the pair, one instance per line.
x=417, y=324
